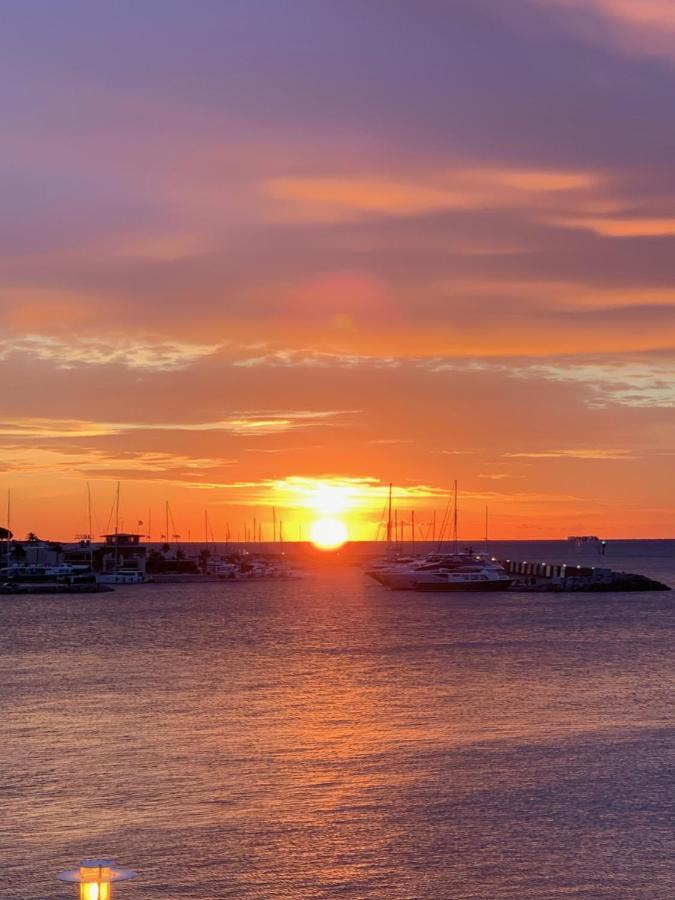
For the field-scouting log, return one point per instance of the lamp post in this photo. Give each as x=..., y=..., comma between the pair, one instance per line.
x=95, y=877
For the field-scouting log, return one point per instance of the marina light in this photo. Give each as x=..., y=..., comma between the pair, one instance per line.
x=95, y=877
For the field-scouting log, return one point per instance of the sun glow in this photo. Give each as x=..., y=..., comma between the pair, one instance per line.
x=328, y=534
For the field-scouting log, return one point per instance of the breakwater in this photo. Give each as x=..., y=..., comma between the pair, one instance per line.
x=539, y=576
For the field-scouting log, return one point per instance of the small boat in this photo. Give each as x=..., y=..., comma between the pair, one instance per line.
x=121, y=576
x=90, y=587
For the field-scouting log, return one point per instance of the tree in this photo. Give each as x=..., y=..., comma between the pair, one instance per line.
x=57, y=548
x=18, y=552
x=5, y=535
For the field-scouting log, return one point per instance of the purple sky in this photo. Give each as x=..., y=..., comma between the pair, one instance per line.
x=250, y=242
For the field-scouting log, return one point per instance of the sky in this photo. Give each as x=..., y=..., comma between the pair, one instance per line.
x=281, y=253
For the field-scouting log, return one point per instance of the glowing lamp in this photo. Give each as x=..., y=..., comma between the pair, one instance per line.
x=95, y=877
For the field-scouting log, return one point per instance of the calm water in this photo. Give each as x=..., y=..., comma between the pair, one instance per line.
x=329, y=739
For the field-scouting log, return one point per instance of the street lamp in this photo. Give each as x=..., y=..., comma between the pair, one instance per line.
x=95, y=876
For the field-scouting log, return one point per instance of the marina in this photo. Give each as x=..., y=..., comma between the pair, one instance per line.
x=226, y=742
x=124, y=559
x=468, y=571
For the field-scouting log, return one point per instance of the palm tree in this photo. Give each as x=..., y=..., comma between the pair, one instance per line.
x=18, y=552
x=6, y=535
x=57, y=548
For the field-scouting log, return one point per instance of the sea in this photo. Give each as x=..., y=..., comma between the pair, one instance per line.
x=327, y=738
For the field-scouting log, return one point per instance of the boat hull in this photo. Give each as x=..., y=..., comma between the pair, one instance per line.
x=408, y=582
x=484, y=587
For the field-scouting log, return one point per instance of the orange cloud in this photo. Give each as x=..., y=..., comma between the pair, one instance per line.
x=624, y=227
x=640, y=27
x=343, y=196
x=584, y=453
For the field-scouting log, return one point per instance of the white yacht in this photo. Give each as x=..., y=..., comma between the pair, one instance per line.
x=464, y=570
x=479, y=576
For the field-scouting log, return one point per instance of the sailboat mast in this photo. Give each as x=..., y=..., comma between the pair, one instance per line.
x=117, y=526
x=9, y=524
x=486, y=528
x=389, y=519
x=454, y=520
x=91, y=529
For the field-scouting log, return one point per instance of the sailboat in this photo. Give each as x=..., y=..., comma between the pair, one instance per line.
x=457, y=571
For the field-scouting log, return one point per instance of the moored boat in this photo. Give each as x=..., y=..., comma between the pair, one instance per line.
x=478, y=577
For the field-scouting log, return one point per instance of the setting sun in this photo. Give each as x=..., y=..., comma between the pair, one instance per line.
x=327, y=534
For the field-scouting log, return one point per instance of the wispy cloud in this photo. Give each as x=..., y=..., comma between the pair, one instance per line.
x=634, y=381
x=338, y=197
x=242, y=423
x=627, y=382
x=328, y=494
x=582, y=453
x=623, y=226
x=77, y=351
x=313, y=359
x=107, y=464
x=638, y=27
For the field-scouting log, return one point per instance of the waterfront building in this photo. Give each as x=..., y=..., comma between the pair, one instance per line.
x=122, y=553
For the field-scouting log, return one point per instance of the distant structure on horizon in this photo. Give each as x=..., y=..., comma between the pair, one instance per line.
x=579, y=540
